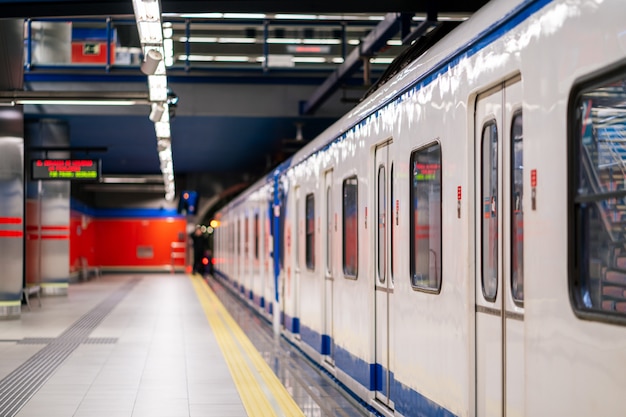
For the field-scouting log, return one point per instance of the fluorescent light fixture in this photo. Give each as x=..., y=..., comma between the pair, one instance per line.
x=381, y=60
x=168, y=47
x=157, y=85
x=147, y=11
x=354, y=42
x=244, y=16
x=236, y=40
x=341, y=17
x=124, y=180
x=150, y=32
x=198, y=39
x=320, y=41
x=394, y=42
x=158, y=53
x=211, y=58
x=200, y=58
x=198, y=15
x=76, y=102
x=165, y=156
x=308, y=59
x=337, y=60
x=231, y=58
x=162, y=129
x=284, y=40
x=295, y=16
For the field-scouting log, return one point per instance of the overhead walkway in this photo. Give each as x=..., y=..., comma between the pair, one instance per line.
x=154, y=345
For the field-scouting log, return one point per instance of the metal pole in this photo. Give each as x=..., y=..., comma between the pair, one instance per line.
x=29, y=48
x=108, y=48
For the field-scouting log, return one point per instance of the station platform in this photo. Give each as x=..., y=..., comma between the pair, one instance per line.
x=158, y=345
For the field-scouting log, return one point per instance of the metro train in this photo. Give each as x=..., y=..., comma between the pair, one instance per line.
x=456, y=244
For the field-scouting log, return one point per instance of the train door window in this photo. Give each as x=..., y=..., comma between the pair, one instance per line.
x=517, y=213
x=329, y=210
x=296, y=233
x=382, y=232
x=238, y=237
x=350, y=227
x=310, y=231
x=246, y=238
x=598, y=190
x=489, y=219
x=391, y=249
x=425, y=219
x=256, y=236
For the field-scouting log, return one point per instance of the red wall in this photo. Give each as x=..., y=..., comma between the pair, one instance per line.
x=82, y=240
x=125, y=242
x=120, y=240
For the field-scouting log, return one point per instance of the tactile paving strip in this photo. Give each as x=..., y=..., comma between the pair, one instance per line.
x=21, y=384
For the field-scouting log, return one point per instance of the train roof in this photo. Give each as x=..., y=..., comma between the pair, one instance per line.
x=486, y=25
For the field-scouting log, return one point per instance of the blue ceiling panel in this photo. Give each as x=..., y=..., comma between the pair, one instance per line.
x=211, y=144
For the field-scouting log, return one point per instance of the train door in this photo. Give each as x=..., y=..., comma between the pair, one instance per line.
x=292, y=262
x=327, y=338
x=384, y=284
x=499, y=252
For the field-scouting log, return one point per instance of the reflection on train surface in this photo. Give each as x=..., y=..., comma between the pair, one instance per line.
x=455, y=245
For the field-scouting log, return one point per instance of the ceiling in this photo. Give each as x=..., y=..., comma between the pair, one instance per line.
x=292, y=77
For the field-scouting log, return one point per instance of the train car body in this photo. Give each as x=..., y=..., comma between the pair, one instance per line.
x=455, y=245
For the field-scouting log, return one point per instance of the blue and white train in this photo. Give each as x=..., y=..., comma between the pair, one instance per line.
x=456, y=245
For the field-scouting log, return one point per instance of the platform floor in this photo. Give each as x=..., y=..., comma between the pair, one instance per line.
x=157, y=345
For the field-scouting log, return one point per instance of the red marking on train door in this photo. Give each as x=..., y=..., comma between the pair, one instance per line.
x=459, y=194
x=533, y=178
x=397, y=211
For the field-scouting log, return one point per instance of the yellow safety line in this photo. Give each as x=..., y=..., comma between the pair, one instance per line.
x=224, y=326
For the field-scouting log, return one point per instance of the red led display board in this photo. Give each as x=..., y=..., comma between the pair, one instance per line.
x=65, y=169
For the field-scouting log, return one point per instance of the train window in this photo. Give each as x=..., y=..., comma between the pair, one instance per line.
x=425, y=219
x=382, y=235
x=598, y=180
x=350, y=227
x=246, y=238
x=517, y=213
x=489, y=219
x=310, y=231
x=256, y=236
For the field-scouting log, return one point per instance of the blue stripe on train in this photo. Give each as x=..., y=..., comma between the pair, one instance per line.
x=372, y=376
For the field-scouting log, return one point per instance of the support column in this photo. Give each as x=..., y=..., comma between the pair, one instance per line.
x=48, y=214
x=11, y=172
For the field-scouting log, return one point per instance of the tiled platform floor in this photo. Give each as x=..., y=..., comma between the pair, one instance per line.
x=140, y=345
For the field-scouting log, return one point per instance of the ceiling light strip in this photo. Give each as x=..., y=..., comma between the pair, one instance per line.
x=158, y=51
